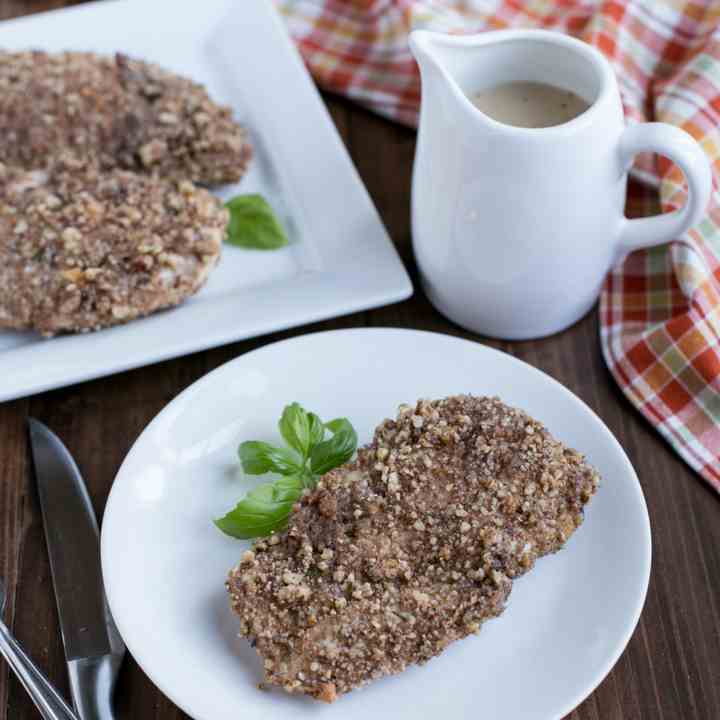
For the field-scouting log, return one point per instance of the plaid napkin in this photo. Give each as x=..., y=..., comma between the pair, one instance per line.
x=659, y=309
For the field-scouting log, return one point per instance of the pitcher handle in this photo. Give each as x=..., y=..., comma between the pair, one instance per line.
x=685, y=152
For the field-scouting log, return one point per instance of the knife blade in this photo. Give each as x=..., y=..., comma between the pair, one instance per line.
x=93, y=647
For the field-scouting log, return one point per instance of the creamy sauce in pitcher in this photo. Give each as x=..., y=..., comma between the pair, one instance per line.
x=530, y=104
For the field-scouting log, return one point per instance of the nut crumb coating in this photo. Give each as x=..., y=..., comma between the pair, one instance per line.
x=117, y=112
x=82, y=249
x=409, y=548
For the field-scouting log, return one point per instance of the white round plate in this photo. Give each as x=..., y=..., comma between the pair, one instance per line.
x=165, y=563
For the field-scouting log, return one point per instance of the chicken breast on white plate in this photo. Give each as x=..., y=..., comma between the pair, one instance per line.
x=117, y=112
x=411, y=547
x=82, y=249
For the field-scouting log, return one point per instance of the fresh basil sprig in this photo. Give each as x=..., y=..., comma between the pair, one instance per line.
x=326, y=455
x=253, y=224
x=258, y=458
x=308, y=455
x=263, y=509
x=301, y=430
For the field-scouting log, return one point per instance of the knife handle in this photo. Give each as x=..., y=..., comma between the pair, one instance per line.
x=49, y=703
x=92, y=681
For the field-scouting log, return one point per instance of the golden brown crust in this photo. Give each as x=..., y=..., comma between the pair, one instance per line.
x=118, y=113
x=82, y=249
x=413, y=546
x=327, y=693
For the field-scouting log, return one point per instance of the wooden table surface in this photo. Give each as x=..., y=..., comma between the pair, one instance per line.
x=671, y=668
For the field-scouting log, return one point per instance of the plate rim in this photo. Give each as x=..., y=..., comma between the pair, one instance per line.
x=632, y=620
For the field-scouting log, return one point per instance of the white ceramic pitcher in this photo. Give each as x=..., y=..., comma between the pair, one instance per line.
x=514, y=229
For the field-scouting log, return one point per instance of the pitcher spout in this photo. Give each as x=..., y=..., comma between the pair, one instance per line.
x=425, y=49
x=434, y=53
x=442, y=60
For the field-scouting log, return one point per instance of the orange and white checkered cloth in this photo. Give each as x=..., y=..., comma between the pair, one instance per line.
x=660, y=309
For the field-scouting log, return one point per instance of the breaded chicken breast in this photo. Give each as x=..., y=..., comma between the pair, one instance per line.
x=82, y=249
x=118, y=113
x=411, y=547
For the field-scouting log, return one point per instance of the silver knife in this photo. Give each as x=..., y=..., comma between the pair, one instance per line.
x=93, y=647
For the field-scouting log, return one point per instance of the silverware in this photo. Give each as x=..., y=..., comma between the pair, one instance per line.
x=47, y=700
x=93, y=647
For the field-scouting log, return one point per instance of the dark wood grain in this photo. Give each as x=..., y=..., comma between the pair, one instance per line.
x=671, y=669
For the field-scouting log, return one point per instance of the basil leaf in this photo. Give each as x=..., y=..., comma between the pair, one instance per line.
x=253, y=224
x=266, y=508
x=263, y=510
x=308, y=479
x=338, y=424
x=288, y=488
x=317, y=429
x=258, y=458
x=337, y=450
x=294, y=426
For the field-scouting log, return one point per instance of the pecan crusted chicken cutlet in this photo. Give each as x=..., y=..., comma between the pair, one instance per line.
x=414, y=545
x=82, y=249
x=118, y=113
